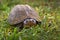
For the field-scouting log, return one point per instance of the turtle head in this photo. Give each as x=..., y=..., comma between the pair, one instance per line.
x=30, y=22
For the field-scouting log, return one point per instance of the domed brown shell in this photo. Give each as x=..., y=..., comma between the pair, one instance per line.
x=21, y=12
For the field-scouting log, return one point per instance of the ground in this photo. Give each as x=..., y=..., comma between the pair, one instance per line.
x=49, y=29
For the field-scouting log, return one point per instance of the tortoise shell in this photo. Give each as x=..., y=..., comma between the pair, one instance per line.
x=21, y=12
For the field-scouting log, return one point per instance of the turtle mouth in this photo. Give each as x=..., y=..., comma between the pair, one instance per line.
x=30, y=23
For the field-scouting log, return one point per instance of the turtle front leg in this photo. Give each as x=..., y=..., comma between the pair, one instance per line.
x=39, y=23
x=20, y=26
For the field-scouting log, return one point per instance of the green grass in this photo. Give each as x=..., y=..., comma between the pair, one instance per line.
x=39, y=32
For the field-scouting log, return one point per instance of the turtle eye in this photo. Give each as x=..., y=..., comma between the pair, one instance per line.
x=26, y=21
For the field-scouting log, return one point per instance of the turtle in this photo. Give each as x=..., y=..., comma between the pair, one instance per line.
x=23, y=15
